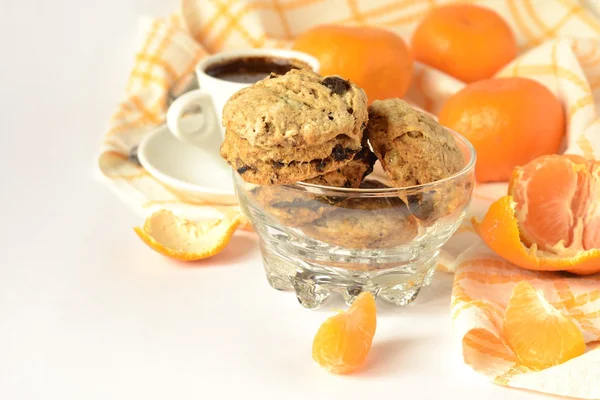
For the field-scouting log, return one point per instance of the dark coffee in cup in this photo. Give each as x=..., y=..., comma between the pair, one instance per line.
x=250, y=70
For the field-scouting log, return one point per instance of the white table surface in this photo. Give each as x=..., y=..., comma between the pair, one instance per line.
x=89, y=312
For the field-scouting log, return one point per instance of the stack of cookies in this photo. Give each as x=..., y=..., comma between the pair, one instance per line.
x=298, y=127
x=302, y=127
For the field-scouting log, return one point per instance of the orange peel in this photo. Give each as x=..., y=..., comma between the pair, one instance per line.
x=187, y=240
x=499, y=229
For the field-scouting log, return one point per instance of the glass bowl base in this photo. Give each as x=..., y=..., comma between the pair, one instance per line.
x=314, y=281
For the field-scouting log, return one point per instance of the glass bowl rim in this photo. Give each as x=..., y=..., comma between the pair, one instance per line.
x=422, y=187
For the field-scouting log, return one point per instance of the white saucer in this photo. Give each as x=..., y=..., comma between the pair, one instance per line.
x=185, y=168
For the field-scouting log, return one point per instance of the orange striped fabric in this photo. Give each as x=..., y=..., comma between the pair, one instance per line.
x=560, y=47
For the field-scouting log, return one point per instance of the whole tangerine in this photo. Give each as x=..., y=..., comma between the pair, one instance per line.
x=375, y=59
x=510, y=121
x=463, y=40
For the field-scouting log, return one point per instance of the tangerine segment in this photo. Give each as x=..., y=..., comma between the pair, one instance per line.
x=557, y=203
x=539, y=334
x=186, y=240
x=499, y=229
x=343, y=341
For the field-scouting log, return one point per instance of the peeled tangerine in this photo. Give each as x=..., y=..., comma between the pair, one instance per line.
x=550, y=219
x=539, y=334
x=186, y=240
x=343, y=341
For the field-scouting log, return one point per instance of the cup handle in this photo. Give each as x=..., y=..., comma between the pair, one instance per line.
x=199, y=135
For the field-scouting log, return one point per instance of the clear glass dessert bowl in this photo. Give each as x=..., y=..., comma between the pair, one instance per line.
x=319, y=240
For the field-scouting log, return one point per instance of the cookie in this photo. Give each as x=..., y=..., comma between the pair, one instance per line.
x=294, y=206
x=280, y=165
x=291, y=206
x=420, y=205
x=294, y=127
x=412, y=147
x=371, y=223
x=341, y=147
x=350, y=175
x=300, y=108
x=273, y=173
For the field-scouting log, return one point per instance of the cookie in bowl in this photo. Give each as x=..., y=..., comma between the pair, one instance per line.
x=296, y=208
x=293, y=127
x=414, y=149
x=367, y=222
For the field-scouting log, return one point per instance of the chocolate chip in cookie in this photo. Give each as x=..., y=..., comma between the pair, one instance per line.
x=339, y=153
x=336, y=84
x=242, y=169
x=319, y=164
x=349, y=175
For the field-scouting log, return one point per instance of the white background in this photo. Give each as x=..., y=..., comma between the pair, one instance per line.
x=88, y=312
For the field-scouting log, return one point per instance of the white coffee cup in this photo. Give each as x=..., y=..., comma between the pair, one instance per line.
x=212, y=95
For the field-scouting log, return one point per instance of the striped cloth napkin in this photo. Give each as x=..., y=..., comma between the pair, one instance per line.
x=559, y=48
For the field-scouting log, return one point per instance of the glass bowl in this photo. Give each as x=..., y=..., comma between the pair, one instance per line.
x=318, y=240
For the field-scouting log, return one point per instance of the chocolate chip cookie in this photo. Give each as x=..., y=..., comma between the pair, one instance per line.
x=293, y=127
x=372, y=223
x=291, y=206
x=350, y=175
x=415, y=149
x=412, y=147
x=295, y=206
